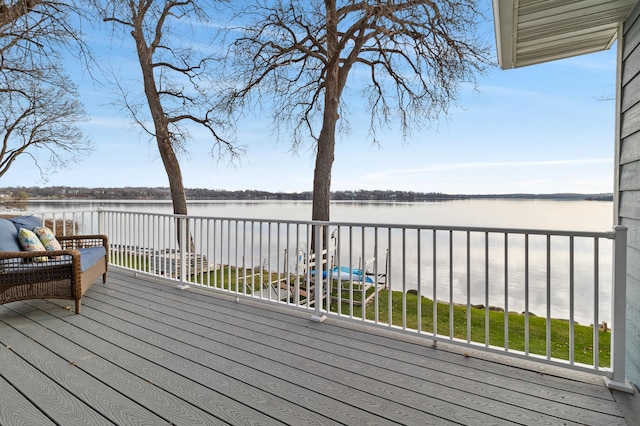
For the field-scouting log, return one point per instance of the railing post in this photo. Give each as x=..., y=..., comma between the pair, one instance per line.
x=183, y=251
x=617, y=379
x=318, y=253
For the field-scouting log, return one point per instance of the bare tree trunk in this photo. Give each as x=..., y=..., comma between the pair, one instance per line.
x=161, y=126
x=325, y=154
x=327, y=139
x=176, y=187
x=322, y=175
x=12, y=13
x=180, y=82
x=174, y=173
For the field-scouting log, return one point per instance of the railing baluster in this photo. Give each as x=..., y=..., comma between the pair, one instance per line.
x=269, y=278
x=260, y=254
x=126, y=238
x=286, y=266
x=468, y=286
x=297, y=268
x=184, y=248
x=451, y=317
x=572, y=340
x=506, y=291
x=486, y=289
x=596, y=304
x=376, y=296
x=404, y=280
x=211, y=259
x=387, y=277
x=526, y=294
x=339, y=264
x=226, y=282
x=351, y=263
x=309, y=237
x=419, y=279
x=434, y=302
x=214, y=253
x=362, y=291
x=548, y=318
x=279, y=267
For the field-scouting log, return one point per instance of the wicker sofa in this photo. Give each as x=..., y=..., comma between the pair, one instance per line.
x=57, y=274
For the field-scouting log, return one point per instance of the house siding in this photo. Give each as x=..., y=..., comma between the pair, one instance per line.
x=628, y=173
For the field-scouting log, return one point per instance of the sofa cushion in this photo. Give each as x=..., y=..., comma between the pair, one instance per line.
x=90, y=255
x=8, y=236
x=26, y=222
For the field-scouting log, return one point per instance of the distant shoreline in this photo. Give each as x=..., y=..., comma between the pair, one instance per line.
x=199, y=194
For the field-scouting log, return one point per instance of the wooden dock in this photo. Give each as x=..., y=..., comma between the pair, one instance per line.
x=168, y=264
x=144, y=352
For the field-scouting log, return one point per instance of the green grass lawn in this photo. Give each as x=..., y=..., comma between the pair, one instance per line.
x=560, y=329
x=233, y=279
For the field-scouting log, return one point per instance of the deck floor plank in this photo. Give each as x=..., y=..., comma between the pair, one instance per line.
x=16, y=409
x=147, y=402
x=520, y=406
x=72, y=367
x=415, y=386
x=597, y=396
x=461, y=371
x=46, y=395
x=253, y=365
x=536, y=373
x=153, y=366
x=198, y=357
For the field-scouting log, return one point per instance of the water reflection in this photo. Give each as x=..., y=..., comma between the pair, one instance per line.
x=541, y=214
x=477, y=268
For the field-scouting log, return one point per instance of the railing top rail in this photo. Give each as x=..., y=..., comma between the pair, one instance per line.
x=473, y=229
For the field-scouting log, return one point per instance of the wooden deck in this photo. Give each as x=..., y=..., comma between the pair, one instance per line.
x=145, y=352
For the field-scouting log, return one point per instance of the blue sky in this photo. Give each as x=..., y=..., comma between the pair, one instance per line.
x=547, y=128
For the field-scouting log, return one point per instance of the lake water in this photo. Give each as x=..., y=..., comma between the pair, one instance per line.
x=539, y=214
x=451, y=277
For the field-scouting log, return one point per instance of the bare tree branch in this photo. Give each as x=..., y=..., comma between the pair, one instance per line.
x=39, y=109
x=298, y=57
x=178, y=80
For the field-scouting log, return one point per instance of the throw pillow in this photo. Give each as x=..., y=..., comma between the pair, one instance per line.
x=47, y=238
x=30, y=242
x=26, y=222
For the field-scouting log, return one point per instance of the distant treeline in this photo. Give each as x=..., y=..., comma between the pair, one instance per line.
x=143, y=193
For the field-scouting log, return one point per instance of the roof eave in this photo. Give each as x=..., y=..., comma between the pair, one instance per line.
x=503, y=18
x=536, y=31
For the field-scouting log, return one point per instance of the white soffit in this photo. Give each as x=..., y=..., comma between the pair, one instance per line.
x=533, y=31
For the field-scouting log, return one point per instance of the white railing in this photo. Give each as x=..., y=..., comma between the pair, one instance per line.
x=523, y=292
